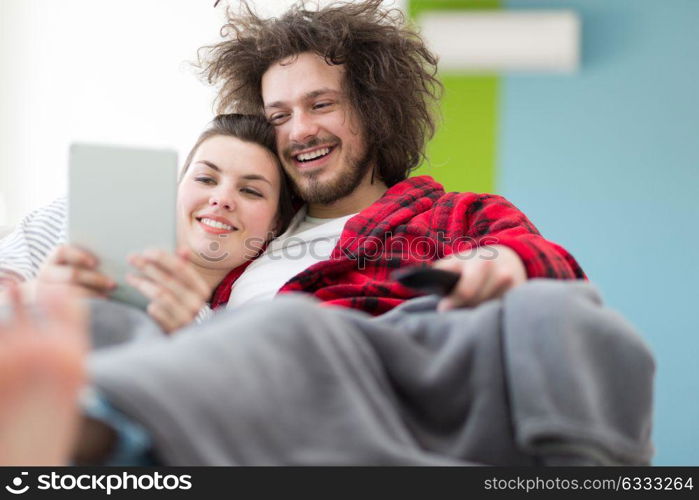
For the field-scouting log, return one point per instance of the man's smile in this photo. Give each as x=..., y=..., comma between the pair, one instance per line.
x=313, y=158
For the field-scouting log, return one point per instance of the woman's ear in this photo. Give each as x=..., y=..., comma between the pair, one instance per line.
x=276, y=228
x=273, y=230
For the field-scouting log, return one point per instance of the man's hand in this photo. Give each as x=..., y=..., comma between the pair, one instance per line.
x=176, y=290
x=75, y=268
x=486, y=273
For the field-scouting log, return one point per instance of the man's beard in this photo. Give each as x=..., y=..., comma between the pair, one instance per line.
x=312, y=190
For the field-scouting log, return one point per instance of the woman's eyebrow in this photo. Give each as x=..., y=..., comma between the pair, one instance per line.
x=247, y=177
x=210, y=165
x=255, y=177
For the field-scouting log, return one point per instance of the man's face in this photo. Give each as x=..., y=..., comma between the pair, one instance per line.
x=319, y=138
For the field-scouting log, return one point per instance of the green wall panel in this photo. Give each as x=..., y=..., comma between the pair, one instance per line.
x=462, y=155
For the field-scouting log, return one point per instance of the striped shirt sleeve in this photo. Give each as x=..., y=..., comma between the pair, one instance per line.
x=204, y=314
x=24, y=250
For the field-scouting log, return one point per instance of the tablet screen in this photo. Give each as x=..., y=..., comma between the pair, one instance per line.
x=120, y=201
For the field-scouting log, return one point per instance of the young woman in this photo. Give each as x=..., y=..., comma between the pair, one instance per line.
x=232, y=199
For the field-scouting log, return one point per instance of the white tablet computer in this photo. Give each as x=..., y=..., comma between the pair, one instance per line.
x=120, y=201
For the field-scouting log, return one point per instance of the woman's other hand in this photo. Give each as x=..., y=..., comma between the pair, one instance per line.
x=175, y=289
x=76, y=268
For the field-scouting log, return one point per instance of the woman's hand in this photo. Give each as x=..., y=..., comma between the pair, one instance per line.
x=75, y=268
x=176, y=291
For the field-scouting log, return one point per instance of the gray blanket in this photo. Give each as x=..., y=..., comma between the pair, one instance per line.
x=547, y=375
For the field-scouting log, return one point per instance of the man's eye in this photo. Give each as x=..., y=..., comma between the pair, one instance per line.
x=321, y=105
x=278, y=118
x=205, y=180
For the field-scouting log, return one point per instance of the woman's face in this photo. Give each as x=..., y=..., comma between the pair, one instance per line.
x=227, y=202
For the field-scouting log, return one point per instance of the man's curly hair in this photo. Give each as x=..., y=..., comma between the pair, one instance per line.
x=390, y=75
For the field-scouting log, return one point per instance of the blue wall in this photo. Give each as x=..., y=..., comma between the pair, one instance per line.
x=607, y=163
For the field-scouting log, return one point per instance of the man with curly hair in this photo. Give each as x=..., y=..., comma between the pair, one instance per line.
x=351, y=91
x=524, y=379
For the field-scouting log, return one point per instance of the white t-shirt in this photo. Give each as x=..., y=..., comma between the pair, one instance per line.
x=307, y=240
